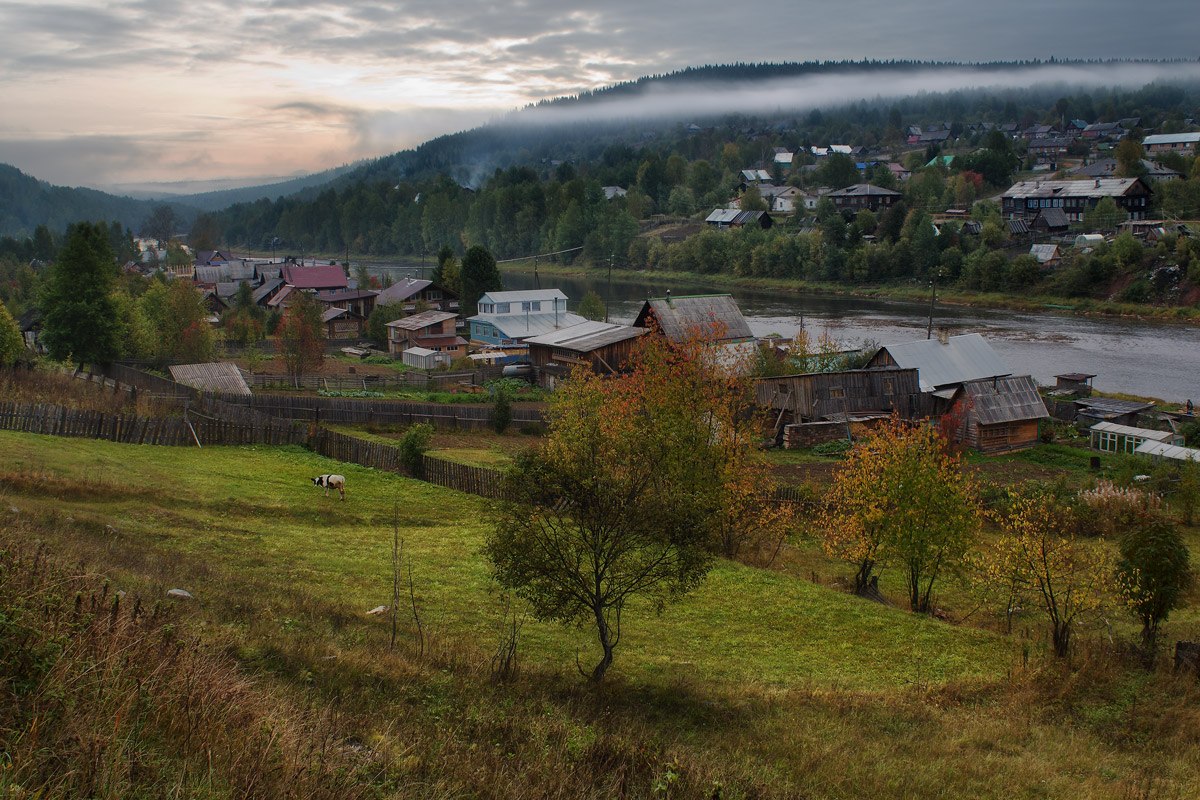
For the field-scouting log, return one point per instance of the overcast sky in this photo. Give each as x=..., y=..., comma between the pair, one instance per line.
x=131, y=91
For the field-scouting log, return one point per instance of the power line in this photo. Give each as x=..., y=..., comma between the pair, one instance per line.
x=539, y=255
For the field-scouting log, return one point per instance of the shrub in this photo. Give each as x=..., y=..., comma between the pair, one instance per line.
x=413, y=445
x=501, y=410
x=1112, y=509
x=836, y=448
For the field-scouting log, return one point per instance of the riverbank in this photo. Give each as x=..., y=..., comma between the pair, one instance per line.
x=1189, y=315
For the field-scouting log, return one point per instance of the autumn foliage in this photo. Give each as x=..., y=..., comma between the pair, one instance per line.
x=901, y=499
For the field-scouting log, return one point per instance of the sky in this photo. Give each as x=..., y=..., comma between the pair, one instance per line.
x=123, y=93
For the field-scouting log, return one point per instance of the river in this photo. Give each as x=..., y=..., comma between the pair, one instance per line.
x=1143, y=358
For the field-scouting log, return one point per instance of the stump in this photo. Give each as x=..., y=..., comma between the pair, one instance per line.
x=1187, y=656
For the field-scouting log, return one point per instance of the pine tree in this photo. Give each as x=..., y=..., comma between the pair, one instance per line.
x=80, y=320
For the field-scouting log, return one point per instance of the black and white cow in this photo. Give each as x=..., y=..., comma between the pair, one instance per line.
x=331, y=482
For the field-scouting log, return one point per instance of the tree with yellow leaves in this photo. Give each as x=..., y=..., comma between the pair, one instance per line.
x=902, y=498
x=643, y=478
x=1040, y=558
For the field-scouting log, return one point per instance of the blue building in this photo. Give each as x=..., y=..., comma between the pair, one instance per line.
x=507, y=319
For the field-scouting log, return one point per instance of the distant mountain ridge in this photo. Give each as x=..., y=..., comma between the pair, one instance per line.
x=468, y=157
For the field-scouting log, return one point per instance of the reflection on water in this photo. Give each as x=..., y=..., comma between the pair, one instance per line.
x=1144, y=358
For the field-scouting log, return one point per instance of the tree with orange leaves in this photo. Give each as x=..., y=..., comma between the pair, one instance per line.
x=627, y=495
x=901, y=498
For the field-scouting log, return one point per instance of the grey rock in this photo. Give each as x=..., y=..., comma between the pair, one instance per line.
x=377, y=611
x=180, y=594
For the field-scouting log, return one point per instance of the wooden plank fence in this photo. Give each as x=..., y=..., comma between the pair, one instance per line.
x=356, y=411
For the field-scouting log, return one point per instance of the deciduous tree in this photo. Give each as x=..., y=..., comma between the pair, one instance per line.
x=1041, y=559
x=624, y=498
x=11, y=343
x=301, y=337
x=904, y=498
x=1152, y=575
x=179, y=318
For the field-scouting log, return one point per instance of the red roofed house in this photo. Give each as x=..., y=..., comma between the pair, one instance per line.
x=322, y=278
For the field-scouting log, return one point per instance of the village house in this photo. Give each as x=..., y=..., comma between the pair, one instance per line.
x=736, y=218
x=1046, y=254
x=943, y=366
x=507, y=319
x=317, y=278
x=861, y=196
x=1024, y=200
x=360, y=302
x=600, y=346
x=342, y=323
x=779, y=199
x=432, y=330
x=1171, y=143
x=1107, y=168
x=418, y=294
x=750, y=176
x=996, y=415
x=613, y=192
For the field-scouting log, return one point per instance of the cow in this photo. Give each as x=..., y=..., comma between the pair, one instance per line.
x=331, y=482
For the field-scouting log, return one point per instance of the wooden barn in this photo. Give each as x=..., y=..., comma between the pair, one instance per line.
x=602, y=346
x=716, y=317
x=996, y=415
x=816, y=396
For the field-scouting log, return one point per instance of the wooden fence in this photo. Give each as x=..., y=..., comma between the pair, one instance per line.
x=183, y=431
x=356, y=411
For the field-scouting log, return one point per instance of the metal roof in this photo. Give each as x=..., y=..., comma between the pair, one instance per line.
x=863, y=190
x=526, y=295
x=999, y=400
x=1018, y=226
x=1171, y=138
x=1164, y=450
x=220, y=376
x=422, y=320
x=319, y=277
x=587, y=336
x=1100, y=187
x=523, y=326
x=1044, y=252
x=401, y=291
x=1054, y=218
x=679, y=317
x=1126, y=430
x=723, y=216
x=962, y=358
x=266, y=289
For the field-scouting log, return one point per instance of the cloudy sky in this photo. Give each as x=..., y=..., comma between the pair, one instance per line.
x=125, y=92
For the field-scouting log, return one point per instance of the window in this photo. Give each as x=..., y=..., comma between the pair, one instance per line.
x=503, y=308
x=433, y=294
x=837, y=392
x=889, y=386
x=487, y=308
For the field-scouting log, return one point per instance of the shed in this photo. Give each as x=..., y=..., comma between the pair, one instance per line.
x=814, y=396
x=1051, y=219
x=1110, y=437
x=997, y=415
x=220, y=376
x=1046, y=254
x=1078, y=382
x=943, y=364
x=1091, y=410
x=680, y=317
x=424, y=358
x=602, y=346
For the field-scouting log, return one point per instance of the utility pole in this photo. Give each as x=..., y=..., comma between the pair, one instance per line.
x=608, y=300
x=932, y=300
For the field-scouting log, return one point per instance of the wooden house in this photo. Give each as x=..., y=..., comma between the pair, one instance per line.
x=432, y=330
x=850, y=396
x=361, y=302
x=1026, y=199
x=1077, y=382
x=862, y=196
x=714, y=317
x=996, y=415
x=601, y=346
x=343, y=323
x=414, y=294
x=943, y=365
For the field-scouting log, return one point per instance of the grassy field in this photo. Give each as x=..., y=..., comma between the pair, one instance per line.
x=760, y=684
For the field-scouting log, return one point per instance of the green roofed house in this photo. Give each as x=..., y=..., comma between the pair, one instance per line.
x=941, y=161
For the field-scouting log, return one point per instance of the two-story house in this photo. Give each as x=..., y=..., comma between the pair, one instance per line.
x=1027, y=199
x=414, y=294
x=507, y=319
x=432, y=330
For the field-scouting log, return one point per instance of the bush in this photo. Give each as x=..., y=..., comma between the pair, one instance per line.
x=501, y=410
x=413, y=445
x=1112, y=509
x=836, y=448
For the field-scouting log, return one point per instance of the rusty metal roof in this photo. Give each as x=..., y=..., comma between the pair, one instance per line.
x=999, y=400
x=680, y=317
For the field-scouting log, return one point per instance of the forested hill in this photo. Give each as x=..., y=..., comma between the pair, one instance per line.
x=26, y=203
x=223, y=198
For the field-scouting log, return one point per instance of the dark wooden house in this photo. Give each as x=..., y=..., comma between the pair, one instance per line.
x=714, y=317
x=601, y=346
x=822, y=395
x=996, y=415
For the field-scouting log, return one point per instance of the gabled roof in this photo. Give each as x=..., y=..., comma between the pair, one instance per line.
x=422, y=320
x=1017, y=227
x=399, y=292
x=220, y=376
x=587, y=336
x=330, y=314
x=1100, y=187
x=1053, y=218
x=523, y=296
x=338, y=295
x=1044, y=252
x=320, y=277
x=280, y=296
x=1172, y=138
x=266, y=289
x=999, y=400
x=863, y=190
x=680, y=317
x=722, y=216
x=962, y=358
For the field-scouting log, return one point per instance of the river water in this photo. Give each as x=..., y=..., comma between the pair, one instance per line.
x=1144, y=358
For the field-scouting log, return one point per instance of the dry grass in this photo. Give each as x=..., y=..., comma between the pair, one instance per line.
x=62, y=388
